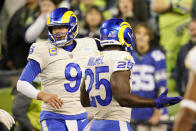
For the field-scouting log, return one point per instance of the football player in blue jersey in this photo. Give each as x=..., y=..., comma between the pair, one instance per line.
x=60, y=63
x=149, y=78
x=107, y=80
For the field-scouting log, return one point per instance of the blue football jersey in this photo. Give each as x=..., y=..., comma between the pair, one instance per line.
x=148, y=77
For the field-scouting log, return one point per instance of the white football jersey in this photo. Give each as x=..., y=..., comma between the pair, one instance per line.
x=62, y=72
x=97, y=80
x=190, y=60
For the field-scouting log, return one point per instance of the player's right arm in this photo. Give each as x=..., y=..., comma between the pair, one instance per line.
x=120, y=87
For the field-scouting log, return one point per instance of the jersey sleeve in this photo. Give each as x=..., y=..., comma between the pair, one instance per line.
x=35, y=53
x=160, y=68
x=190, y=60
x=123, y=61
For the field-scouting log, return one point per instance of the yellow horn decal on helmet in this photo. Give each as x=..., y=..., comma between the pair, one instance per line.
x=123, y=26
x=66, y=17
x=48, y=20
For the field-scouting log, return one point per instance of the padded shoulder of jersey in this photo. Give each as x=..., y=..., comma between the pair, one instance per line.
x=87, y=41
x=42, y=45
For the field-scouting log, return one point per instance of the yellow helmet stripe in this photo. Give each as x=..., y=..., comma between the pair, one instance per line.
x=66, y=17
x=48, y=21
x=123, y=26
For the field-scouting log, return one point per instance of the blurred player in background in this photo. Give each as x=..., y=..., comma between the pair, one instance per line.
x=60, y=62
x=186, y=115
x=107, y=80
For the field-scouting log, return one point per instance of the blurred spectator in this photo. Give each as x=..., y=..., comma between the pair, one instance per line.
x=173, y=21
x=2, y=45
x=92, y=22
x=4, y=80
x=1, y=4
x=130, y=11
x=1, y=39
x=64, y=3
x=17, y=47
x=148, y=79
x=181, y=72
x=152, y=21
x=81, y=6
x=37, y=29
x=193, y=11
x=26, y=111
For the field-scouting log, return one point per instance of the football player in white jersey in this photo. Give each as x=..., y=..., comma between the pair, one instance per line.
x=61, y=64
x=107, y=80
x=186, y=115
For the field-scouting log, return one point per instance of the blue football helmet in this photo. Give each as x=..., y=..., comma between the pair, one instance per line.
x=117, y=32
x=59, y=17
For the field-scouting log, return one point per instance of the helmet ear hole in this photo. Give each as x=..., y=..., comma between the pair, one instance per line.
x=126, y=39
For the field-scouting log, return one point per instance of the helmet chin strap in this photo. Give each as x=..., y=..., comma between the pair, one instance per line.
x=59, y=43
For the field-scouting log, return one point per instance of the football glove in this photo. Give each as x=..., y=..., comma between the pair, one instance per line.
x=163, y=100
x=6, y=119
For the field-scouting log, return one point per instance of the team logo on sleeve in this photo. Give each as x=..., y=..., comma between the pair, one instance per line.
x=53, y=51
x=31, y=50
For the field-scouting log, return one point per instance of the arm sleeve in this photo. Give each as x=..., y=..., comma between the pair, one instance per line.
x=31, y=70
x=29, y=73
x=19, y=109
x=33, y=32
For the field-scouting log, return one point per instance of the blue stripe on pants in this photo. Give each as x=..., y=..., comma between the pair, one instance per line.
x=109, y=125
x=60, y=125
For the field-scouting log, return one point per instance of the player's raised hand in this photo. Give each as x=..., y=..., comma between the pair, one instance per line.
x=164, y=100
x=6, y=119
x=51, y=99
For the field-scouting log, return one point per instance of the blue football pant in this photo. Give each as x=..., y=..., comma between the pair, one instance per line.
x=108, y=125
x=63, y=125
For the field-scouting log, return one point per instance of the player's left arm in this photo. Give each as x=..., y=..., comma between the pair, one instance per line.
x=84, y=96
x=188, y=107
